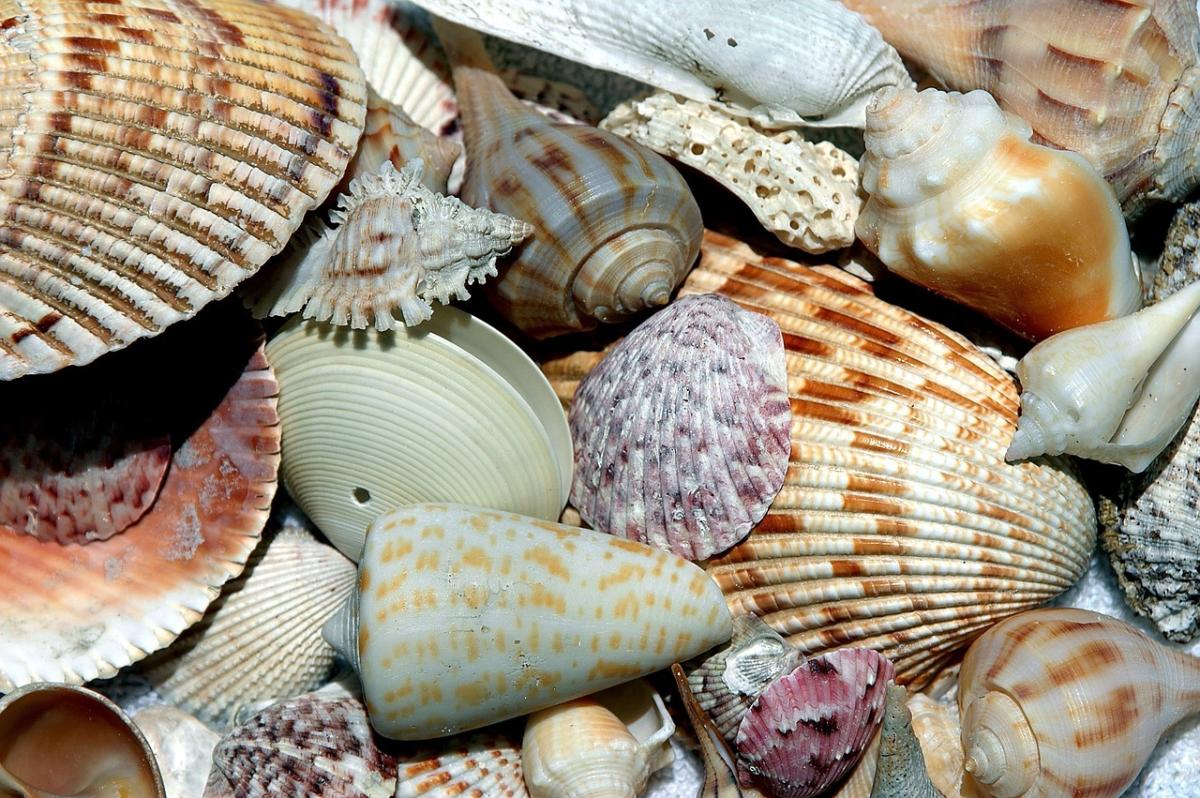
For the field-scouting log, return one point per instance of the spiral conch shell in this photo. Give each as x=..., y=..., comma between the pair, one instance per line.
x=1058, y=703
x=1114, y=82
x=615, y=226
x=962, y=203
x=1117, y=392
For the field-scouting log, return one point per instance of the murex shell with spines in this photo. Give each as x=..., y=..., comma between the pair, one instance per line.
x=152, y=157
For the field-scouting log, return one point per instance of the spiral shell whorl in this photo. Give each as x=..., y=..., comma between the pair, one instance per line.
x=1001, y=751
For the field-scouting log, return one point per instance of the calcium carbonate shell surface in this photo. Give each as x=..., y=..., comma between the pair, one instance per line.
x=448, y=411
x=154, y=154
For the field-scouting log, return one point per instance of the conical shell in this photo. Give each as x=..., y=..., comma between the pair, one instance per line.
x=59, y=740
x=485, y=764
x=615, y=226
x=467, y=598
x=901, y=772
x=681, y=432
x=451, y=411
x=76, y=613
x=741, y=55
x=182, y=746
x=1112, y=81
x=304, y=746
x=262, y=638
x=810, y=727
x=154, y=156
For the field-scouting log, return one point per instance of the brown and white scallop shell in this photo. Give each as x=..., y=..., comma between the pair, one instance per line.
x=484, y=763
x=76, y=613
x=154, y=155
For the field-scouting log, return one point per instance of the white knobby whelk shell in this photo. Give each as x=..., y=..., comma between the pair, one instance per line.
x=152, y=160
x=494, y=615
x=681, y=432
x=451, y=411
x=484, y=763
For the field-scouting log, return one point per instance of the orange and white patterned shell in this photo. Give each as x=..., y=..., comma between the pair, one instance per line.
x=469, y=617
x=486, y=764
x=154, y=154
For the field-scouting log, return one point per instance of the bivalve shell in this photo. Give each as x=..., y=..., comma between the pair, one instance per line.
x=182, y=747
x=485, y=764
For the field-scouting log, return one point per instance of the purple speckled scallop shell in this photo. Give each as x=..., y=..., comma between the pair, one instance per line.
x=682, y=432
x=811, y=726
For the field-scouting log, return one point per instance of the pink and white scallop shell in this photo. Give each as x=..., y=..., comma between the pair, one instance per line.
x=810, y=727
x=682, y=432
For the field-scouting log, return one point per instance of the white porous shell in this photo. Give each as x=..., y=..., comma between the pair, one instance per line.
x=451, y=411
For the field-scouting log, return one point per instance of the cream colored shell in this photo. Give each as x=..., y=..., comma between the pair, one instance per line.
x=182, y=746
x=804, y=193
x=451, y=411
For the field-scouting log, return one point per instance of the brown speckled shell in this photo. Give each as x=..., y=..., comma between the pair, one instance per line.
x=153, y=154
x=486, y=763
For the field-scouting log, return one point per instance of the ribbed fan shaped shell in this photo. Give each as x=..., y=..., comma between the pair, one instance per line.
x=486, y=763
x=154, y=154
x=76, y=613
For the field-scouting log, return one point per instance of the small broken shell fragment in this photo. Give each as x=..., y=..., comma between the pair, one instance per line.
x=182, y=746
x=1118, y=391
x=937, y=728
x=395, y=246
x=496, y=594
x=901, y=771
x=805, y=193
x=57, y=741
x=485, y=763
x=720, y=769
x=390, y=134
x=605, y=745
x=681, y=432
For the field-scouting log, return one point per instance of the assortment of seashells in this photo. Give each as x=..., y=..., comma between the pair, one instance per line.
x=716, y=438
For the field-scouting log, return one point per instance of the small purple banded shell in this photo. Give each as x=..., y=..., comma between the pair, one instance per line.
x=811, y=726
x=682, y=432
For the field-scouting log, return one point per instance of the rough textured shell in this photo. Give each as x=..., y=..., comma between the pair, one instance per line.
x=963, y=204
x=804, y=193
x=1179, y=264
x=304, y=746
x=155, y=153
x=1113, y=81
x=262, y=638
x=532, y=596
x=681, y=432
x=1095, y=692
x=73, y=614
x=811, y=726
x=740, y=54
x=901, y=772
x=486, y=763
x=59, y=740
x=182, y=747
x=454, y=411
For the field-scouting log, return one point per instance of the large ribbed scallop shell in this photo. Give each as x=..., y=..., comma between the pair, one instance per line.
x=262, y=638
x=154, y=154
x=485, y=764
x=77, y=613
x=681, y=432
x=1113, y=81
x=899, y=526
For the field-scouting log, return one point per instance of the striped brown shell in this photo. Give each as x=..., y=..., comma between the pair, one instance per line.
x=153, y=154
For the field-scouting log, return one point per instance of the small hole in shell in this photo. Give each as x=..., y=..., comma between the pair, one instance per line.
x=361, y=495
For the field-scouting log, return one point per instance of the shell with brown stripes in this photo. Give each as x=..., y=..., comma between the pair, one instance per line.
x=153, y=154
x=615, y=226
x=1113, y=80
x=1062, y=703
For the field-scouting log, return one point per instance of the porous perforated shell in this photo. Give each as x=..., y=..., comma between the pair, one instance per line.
x=154, y=154
x=76, y=613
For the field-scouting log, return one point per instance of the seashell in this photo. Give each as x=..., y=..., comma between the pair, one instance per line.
x=810, y=727
x=147, y=173
x=860, y=781
x=304, y=746
x=454, y=411
x=726, y=683
x=739, y=55
x=1067, y=702
x=58, y=740
x=1117, y=392
x=390, y=135
x=899, y=526
x=1111, y=81
x=937, y=728
x=182, y=747
x=514, y=643
x=396, y=245
x=262, y=638
x=615, y=226
x=962, y=203
x=601, y=746
x=901, y=772
x=805, y=193
x=1179, y=264
x=560, y=101
x=689, y=460
x=77, y=613
x=485, y=764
